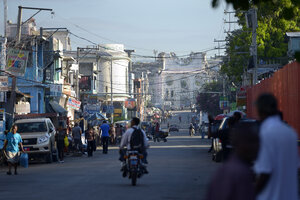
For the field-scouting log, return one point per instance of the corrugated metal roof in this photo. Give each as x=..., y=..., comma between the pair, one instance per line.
x=293, y=34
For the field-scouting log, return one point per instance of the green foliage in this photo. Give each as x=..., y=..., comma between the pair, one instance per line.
x=289, y=9
x=275, y=18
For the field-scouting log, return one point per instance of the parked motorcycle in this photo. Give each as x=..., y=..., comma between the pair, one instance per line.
x=134, y=167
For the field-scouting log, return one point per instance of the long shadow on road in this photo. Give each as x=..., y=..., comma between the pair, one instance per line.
x=179, y=169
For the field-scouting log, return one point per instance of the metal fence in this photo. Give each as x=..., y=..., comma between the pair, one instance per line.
x=285, y=85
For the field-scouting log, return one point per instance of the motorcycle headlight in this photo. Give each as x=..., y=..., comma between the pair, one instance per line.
x=43, y=139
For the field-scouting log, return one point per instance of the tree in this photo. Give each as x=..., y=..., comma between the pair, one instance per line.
x=272, y=26
x=289, y=10
x=209, y=102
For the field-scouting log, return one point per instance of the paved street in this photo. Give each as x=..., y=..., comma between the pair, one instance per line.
x=179, y=169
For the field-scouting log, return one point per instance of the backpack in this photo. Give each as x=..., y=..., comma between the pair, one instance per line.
x=137, y=140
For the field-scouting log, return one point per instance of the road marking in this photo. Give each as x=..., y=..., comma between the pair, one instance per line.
x=179, y=146
x=166, y=147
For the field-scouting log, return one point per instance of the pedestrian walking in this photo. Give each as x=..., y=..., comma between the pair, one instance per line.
x=12, y=146
x=105, y=136
x=60, y=141
x=277, y=162
x=91, y=140
x=112, y=134
x=179, y=119
x=76, y=133
x=234, y=180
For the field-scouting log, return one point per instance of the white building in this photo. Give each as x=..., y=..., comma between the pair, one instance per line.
x=117, y=64
x=182, y=79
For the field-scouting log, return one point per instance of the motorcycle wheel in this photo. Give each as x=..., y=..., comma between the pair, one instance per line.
x=133, y=178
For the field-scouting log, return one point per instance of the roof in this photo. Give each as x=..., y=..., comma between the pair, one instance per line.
x=58, y=108
x=32, y=120
x=293, y=34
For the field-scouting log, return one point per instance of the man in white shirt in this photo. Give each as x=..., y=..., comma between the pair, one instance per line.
x=277, y=162
x=125, y=142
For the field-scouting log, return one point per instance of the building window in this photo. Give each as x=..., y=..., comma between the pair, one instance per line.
x=95, y=82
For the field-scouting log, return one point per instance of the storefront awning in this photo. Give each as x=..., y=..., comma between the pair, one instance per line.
x=58, y=108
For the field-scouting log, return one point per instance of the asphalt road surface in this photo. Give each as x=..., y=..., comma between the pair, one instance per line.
x=179, y=169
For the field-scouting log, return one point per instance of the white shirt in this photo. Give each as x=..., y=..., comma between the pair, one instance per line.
x=125, y=141
x=278, y=156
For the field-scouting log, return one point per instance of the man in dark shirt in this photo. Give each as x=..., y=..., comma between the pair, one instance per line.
x=76, y=133
x=235, y=179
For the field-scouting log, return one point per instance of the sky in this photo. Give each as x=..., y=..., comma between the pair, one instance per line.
x=179, y=26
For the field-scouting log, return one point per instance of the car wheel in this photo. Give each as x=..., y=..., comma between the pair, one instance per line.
x=49, y=158
x=55, y=155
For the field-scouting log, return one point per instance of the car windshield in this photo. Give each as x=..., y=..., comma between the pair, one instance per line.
x=32, y=127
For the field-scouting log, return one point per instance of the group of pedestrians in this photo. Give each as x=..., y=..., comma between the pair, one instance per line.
x=262, y=162
x=74, y=136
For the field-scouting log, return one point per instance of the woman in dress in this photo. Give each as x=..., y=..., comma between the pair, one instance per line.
x=11, y=147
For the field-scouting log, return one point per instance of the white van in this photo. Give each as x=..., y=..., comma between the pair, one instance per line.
x=38, y=135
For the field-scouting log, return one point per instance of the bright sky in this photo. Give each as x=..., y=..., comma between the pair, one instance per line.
x=165, y=25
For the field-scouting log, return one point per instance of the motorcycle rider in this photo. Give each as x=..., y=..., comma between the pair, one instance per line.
x=125, y=142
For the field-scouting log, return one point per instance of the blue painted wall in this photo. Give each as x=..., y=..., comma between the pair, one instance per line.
x=34, y=72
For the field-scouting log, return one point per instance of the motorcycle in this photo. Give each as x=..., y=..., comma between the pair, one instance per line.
x=134, y=166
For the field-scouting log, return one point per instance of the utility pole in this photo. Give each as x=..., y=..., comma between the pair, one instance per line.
x=111, y=90
x=5, y=16
x=229, y=22
x=129, y=52
x=253, y=48
x=18, y=36
x=11, y=108
x=19, y=23
x=77, y=74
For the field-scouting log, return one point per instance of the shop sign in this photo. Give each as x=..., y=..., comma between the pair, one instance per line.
x=118, y=111
x=242, y=92
x=92, y=108
x=4, y=83
x=224, y=103
x=23, y=108
x=16, y=61
x=130, y=104
x=73, y=103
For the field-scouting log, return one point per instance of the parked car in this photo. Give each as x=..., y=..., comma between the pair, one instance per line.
x=217, y=143
x=38, y=136
x=173, y=127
